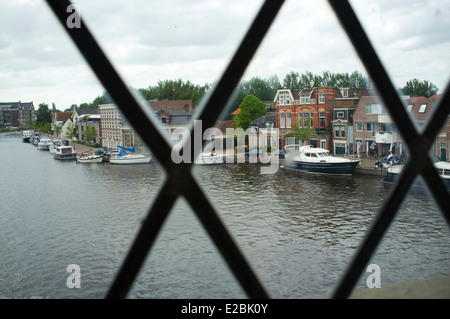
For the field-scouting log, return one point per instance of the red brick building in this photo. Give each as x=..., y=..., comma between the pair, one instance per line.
x=375, y=131
x=312, y=108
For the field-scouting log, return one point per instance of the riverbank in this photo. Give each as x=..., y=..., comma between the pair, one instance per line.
x=367, y=166
x=432, y=288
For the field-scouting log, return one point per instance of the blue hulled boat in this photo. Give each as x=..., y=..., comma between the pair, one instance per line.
x=307, y=159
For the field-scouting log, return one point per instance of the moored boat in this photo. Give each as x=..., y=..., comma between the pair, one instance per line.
x=26, y=135
x=210, y=158
x=307, y=159
x=34, y=140
x=89, y=157
x=125, y=158
x=64, y=152
x=442, y=167
x=44, y=143
x=55, y=143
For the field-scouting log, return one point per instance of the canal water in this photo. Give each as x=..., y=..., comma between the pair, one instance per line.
x=298, y=232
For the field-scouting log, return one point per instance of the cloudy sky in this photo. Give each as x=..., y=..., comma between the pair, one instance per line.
x=193, y=40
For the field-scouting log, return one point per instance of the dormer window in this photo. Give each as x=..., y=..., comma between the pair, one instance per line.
x=344, y=92
x=304, y=99
x=284, y=98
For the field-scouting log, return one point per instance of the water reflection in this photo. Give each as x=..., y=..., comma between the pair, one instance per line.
x=298, y=232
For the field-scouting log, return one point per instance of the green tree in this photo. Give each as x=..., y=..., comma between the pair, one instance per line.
x=250, y=109
x=72, y=108
x=54, y=109
x=57, y=130
x=175, y=90
x=71, y=131
x=416, y=87
x=30, y=123
x=45, y=127
x=43, y=114
x=264, y=89
x=291, y=81
x=302, y=133
x=89, y=133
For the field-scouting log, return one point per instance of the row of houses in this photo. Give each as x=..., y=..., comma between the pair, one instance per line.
x=112, y=128
x=346, y=121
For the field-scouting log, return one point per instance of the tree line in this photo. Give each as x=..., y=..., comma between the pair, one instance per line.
x=263, y=88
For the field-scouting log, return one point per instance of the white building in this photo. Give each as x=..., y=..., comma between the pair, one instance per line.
x=114, y=129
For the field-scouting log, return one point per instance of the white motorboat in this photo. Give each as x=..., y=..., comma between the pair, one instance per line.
x=44, y=143
x=210, y=158
x=307, y=159
x=442, y=167
x=26, y=135
x=89, y=157
x=64, y=152
x=125, y=158
x=55, y=143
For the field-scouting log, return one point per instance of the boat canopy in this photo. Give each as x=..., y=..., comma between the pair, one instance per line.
x=127, y=148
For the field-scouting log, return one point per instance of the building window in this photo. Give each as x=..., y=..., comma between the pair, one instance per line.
x=321, y=98
x=307, y=120
x=371, y=109
x=284, y=98
x=288, y=119
x=339, y=130
x=340, y=114
x=344, y=92
x=282, y=120
x=371, y=127
x=336, y=130
x=409, y=107
x=304, y=99
x=359, y=126
x=423, y=107
x=322, y=119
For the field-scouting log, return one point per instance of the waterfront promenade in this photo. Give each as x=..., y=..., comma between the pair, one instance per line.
x=367, y=165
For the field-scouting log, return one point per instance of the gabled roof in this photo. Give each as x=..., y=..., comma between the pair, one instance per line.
x=62, y=116
x=263, y=119
x=236, y=112
x=26, y=105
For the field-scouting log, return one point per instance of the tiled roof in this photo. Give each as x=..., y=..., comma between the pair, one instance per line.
x=62, y=116
x=235, y=112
